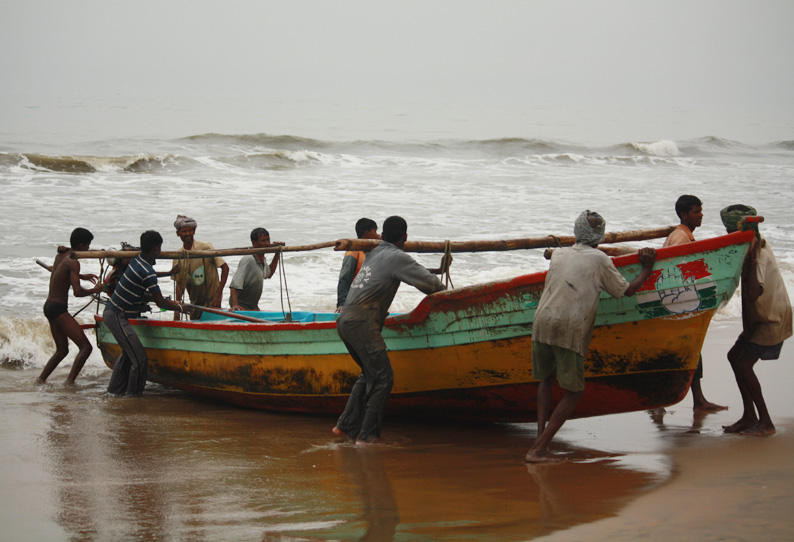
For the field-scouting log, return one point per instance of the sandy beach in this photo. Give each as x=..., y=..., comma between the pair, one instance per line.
x=723, y=487
x=78, y=466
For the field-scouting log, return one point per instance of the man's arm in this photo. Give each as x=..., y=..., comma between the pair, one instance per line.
x=74, y=278
x=216, y=301
x=346, y=276
x=751, y=287
x=179, y=293
x=647, y=258
x=167, y=304
x=174, y=270
x=233, y=300
x=412, y=272
x=274, y=261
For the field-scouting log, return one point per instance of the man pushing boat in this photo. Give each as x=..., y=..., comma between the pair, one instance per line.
x=361, y=322
x=66, y=274
x=565, y=318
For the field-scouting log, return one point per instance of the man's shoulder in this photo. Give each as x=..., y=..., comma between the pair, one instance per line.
x=679, y=236
x=201, y=245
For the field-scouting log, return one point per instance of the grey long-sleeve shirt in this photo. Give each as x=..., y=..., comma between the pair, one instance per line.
x=384, y=268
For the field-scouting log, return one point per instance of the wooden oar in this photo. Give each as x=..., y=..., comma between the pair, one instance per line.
x=549, y=241
x=227, y=313
x=180, y=254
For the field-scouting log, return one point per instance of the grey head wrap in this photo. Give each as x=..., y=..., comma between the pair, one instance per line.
x=183, y=221
x=585, y=233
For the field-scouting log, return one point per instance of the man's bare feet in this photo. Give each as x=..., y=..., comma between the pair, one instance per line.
x=371, y=442
x=544, y=457
x=742, y=425
x=338, y=432
x=708, y=406
x=759, y=430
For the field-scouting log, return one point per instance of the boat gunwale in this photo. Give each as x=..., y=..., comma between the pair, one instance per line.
x=425, y=306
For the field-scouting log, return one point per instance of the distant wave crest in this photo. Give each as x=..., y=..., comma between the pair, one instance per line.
x=91, y=164
x=665, y=148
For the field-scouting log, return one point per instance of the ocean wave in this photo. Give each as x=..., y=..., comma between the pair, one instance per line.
x=277, y=152
x=259, y=140
x=664, y=148
x=787, y=145
x=274, y=160
x=144, y=163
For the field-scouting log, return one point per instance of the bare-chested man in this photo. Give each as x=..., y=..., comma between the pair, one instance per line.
x=65, y=274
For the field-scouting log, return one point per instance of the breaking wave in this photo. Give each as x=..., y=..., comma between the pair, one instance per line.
x=264, y=151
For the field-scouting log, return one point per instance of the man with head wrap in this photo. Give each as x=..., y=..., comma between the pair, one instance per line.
x=565, y=319
x=198, y=275
x=766, y=323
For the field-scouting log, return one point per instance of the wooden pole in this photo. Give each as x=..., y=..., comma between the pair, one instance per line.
x=410, y=246
x=180, y=255
x=609, y=251
x=227, y=313
x=504, y=245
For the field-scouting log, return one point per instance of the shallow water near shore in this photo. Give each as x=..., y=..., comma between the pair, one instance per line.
x=79, y=466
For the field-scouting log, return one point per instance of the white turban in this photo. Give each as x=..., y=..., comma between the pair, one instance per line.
x=587, y=234
x=183, y=221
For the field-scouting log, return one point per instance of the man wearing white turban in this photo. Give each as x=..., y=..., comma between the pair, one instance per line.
x=565, y=318
x=199, y=276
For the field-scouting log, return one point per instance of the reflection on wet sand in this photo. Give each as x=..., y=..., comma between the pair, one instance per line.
x=367, y=473
x=166, y=467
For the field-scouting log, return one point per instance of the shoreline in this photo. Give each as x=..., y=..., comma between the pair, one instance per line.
x=72, y=458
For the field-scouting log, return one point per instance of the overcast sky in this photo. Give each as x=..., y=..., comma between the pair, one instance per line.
x=690, y=54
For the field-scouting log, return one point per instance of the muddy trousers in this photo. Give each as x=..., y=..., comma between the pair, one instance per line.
x=363, y=415
x=130, y=369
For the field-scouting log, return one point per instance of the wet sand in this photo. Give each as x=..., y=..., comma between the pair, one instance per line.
x=723, y=487
x=77, y=466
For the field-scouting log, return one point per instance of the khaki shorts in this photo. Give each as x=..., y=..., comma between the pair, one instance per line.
x=569, y=365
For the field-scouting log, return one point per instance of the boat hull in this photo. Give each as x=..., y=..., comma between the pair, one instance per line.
x=463, y=354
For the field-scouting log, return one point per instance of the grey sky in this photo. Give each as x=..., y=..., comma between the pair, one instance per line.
x=713, y=54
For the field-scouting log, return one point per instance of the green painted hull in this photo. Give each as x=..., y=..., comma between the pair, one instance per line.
x=461, y=354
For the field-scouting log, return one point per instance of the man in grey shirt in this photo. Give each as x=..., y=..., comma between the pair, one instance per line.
x=246, y=287
x=361, y=322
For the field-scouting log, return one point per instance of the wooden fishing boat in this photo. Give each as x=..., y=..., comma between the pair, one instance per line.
x=460, y=354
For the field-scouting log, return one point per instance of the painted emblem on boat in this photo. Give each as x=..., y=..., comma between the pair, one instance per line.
x=688, y=296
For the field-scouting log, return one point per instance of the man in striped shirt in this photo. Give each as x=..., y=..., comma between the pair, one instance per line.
x=129, y=371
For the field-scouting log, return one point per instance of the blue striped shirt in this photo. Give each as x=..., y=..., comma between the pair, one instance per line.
x=133, y=284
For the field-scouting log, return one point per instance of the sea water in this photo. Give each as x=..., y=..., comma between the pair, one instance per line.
x=307, y=190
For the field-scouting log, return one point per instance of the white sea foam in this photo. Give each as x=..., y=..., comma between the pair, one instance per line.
x=659, y=148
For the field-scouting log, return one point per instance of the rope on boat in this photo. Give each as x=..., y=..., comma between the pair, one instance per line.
x=282, y=275
x=447, y=258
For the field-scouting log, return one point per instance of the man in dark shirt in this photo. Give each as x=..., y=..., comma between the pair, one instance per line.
x=361, y=322
x=366, y=228
x=129, y=371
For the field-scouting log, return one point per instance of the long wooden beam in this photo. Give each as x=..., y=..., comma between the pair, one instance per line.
x=181, y=255
x=550, y=241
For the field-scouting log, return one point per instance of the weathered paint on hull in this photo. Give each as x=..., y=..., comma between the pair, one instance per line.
x=458, y=382
x=464, y=353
